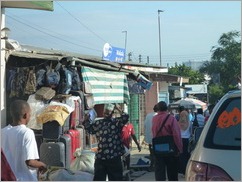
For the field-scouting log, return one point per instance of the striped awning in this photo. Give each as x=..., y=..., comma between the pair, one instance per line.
x=39, y=5
x=107, y=86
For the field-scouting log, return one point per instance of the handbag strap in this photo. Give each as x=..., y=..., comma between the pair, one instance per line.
x=163, y=124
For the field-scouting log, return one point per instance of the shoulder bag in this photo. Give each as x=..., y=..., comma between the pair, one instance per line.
x=164, y=145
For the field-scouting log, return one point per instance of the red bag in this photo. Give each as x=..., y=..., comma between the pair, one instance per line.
x=6, y=171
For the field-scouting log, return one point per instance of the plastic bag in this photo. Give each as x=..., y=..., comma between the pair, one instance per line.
x=63, y=174
x=84, y=161
x=57, y=113
x=37, y=106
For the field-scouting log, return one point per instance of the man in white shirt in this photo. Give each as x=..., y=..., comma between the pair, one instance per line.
x=19, y=144
x=148, y=134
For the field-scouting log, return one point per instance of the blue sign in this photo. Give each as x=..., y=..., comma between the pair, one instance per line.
x=114, y=54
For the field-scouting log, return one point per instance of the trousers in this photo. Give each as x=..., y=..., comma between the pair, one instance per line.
x=184, y=156
x=112, y=168
x=151, y=155
x=166, y=165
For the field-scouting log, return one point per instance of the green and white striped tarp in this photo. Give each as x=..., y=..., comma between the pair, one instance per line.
x=107, y=86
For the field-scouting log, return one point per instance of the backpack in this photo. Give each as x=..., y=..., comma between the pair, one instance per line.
x=30, y=86
x=40, y=78
x=65, y=83
x=18, y=82
x=76, y=81
x=53, y=76
x=195, y=122
x=11, y=76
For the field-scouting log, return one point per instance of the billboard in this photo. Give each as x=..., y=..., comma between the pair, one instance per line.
x=196, y=89
x=114, y=54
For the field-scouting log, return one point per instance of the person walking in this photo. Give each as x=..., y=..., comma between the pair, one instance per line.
x=108, y=161
x=200, y=117
x=19, y=144
x=185, y=125
x=128, y=134
x=148, y=134
x=167, y=165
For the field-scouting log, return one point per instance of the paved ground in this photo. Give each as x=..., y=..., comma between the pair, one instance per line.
x=141, y=174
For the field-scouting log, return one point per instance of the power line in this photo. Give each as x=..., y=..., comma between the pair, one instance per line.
x=48, y=29
x=81, y=22
x=67, y=41
x=43, y=39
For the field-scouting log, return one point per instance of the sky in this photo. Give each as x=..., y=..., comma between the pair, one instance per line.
x=188, y=29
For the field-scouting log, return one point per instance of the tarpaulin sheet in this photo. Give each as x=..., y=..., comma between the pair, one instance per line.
x=107, y=86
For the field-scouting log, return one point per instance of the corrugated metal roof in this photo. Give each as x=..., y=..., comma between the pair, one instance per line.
x=97, y=62
x=36, y=55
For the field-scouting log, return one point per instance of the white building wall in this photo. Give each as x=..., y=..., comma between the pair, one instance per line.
x=163, y=94
x=2, y=75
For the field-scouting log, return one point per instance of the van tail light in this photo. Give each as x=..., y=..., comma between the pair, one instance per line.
x=197, y=171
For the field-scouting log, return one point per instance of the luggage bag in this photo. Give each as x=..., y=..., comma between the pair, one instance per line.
x=66, y=139
x=82, y=136
x=51, y=130
x=81, y=105
x=74, y=116
x=75, y=141
x=53, y=153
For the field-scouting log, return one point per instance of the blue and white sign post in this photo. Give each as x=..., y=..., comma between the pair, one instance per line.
x=114, y=54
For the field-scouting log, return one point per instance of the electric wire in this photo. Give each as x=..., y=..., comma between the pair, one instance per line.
x=52, y=35
x=47, y=29
x=81, y=22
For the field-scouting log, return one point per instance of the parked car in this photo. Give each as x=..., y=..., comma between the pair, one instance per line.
x=217, y=155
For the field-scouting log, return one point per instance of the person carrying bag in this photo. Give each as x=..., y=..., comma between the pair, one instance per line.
x=164, y=145
x=167, y=144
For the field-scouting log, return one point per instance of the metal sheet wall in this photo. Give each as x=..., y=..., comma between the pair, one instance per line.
x=133, y=109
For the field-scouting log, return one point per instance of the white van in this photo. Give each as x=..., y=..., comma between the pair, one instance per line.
x=217, y=155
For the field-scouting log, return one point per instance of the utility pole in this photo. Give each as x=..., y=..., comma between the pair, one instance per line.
x=125, y=43
x=140, y=58
x=159, y=11
x=129, y=56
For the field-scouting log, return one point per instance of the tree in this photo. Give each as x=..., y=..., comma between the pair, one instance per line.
x=225, y=62
x=215, y=93
x=195, y=77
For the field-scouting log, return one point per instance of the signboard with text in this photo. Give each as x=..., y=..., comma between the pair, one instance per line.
x=114, y=54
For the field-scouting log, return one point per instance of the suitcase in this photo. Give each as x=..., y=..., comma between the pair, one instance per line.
x=53, y=153
x=74, y=117
x=82, y=136
x=51, y=130
x=75, y=141
x=81, y=104
x=66, y=125
x=66, y=139
x=38, y=137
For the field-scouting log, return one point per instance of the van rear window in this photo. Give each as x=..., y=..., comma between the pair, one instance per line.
x=225, y=130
